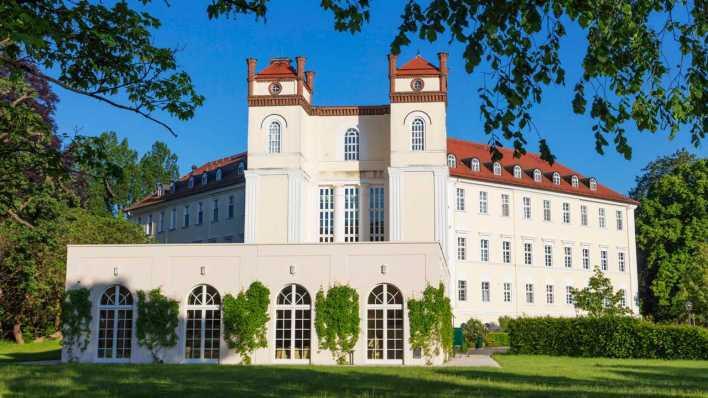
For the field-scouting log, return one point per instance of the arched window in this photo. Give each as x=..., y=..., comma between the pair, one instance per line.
x=351, y=145
x=593, y=184
x=274, y=137
x=497, y=169
x=556, y=178
x=115, y=323
x=574, y=181
x=418, y=135
x=517, y=171
x=474, y=163
x=205, y=178
x=241, y=167
x=190, y=183
x=537, y=175
x=203, y=330
x=384, y=331
x=451, y=160
x=293, y=323
x=219, y=174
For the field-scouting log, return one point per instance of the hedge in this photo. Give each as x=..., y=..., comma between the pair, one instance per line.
x=497, y=339
x=613, y=337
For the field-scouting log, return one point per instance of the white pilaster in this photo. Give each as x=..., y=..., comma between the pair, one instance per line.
x=364, y=212
x=394, y=203
x=441, y=175
x=251, y=196
x=339, y=213
x=295, y=205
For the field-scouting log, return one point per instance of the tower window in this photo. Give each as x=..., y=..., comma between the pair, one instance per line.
x=351, y=145
x=274, y=137
x=418, y=135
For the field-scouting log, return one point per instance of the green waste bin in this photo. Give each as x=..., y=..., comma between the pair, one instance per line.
x=478, y=342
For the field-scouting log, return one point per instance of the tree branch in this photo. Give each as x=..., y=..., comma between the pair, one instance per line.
x=19, y=219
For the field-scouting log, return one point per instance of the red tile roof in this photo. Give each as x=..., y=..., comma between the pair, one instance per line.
x=416, y=67
x=464, y=151
x=279, y=68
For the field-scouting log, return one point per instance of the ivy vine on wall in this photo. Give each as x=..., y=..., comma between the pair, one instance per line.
x=430, y=320
x=337, y=320
x=245, y=320
x=76, y=318
x=156, y=326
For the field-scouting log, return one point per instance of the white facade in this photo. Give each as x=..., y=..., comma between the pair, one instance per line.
x=513, y=236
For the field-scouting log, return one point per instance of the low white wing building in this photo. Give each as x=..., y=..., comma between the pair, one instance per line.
x=377, y=197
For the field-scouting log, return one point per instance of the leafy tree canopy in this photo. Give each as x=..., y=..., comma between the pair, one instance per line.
x=599, y=298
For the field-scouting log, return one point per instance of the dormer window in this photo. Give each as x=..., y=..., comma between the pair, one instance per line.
x=204, y=178
x=474, y=164
x=451, y=161
x=241, y=167
x=593, y=184
x=574, y=181
x=190, y=183
x=173, y=186
x=537, y=176
x=160, y=190
x=497, y=169
x=219, y=174
x=517, y=171
x=556, y=178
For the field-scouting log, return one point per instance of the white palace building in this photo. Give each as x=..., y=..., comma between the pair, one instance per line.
x=376, y=197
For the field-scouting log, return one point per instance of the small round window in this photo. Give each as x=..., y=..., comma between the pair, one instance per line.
x=417, y=84
x=275, y=88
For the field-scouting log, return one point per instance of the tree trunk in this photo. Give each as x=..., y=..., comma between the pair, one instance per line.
x=17, y=333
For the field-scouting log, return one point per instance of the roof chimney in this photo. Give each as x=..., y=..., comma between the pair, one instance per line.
x=392, y=71
x=442, y=58
x=300, y=73
x=251, y=62
x=310, y=78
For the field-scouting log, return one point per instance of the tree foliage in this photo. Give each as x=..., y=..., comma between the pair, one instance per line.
x=430, y=319
x=76, y=320
x=599, y=298
x=471, y=331
x=158, y=318
x=672, y=231
x=246, y=319
x=337, y=320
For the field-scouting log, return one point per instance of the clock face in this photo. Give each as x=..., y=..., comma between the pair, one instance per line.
x=417, y=84
x=275, y=88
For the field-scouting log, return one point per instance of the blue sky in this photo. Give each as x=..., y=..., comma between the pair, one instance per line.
x=350, y=70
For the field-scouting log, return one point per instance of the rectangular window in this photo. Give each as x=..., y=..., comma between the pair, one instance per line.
x=601, y=220
x=507, y=292
x=586, y=258
x=527, y=207
x=351, y=214
x=566, y=213
x=569, y=295
x=461, y=248
x=173, y=218
x=483, y=203
x=546, y=210
x=215, y=211
x=623, y=298
x=620, y=220
x=161, y=222
x=620, y=261
x=506, y=252
x=548, y=255
x=460, y=199
x=200, y=213
x=149, y=225
x=231, y=207
x=528, y=253
x=462, y=290
x=549, y=294
x=603, y=260
x=376, y=214
x=326, y=214
x=584, y=215
x=185, y=222
x=484, y=250
x=529, y=293
x=485, y=292
x=505, y=205
x=568, y=256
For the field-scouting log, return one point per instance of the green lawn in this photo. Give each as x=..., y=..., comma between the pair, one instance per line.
x=520, y=376
x=11, y=352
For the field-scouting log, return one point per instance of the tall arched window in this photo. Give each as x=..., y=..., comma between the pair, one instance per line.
x=556, y=178
x=517, y=171
x=497, y=168
x=418, y=135
x=384, y=331
x=293, y=320
x=537, y=175
x=474, y=163
x=203, y=331
x=274, y=137
x=351, y=145
x=115, y=323
x=451, y=160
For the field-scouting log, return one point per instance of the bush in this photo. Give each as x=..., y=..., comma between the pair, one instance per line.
x=504, y=322
x=471, y=330
x=245, y=320
x=430, y=319
x=497, y=339
x=337, y=320
x=613, y=337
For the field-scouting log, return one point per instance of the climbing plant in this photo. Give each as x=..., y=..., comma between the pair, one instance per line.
x=245, y=320
x=76, y=318
x=337, y=320
x=430, y=319
x=158, y=317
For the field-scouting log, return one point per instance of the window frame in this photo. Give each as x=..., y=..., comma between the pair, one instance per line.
x=418, y=135
x=352, y=144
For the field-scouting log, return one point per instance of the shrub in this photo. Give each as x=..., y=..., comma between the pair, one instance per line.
x=613, y=337
x=158, y=317
x=430, y=320
x=497, y=339
x=471, y=330
x=504, y=322
x=76, y=318
x=245, y=320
